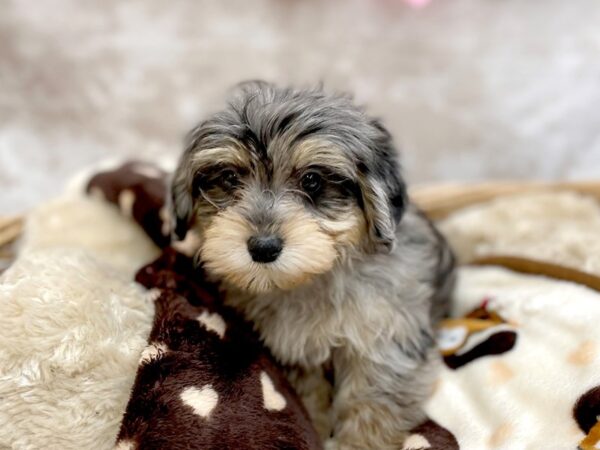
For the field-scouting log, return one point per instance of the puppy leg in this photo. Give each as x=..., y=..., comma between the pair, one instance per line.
x=379, y=398
x=315, y=390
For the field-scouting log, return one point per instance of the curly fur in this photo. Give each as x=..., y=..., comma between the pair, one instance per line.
x=362, y=275
x=72, y=327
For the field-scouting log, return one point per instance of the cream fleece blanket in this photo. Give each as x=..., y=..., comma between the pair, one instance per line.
x=525, y=397
x=72, y=326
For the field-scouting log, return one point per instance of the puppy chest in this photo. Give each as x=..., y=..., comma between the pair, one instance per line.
x=306, y=330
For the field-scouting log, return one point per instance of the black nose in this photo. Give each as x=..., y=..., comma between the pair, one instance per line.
x=264, y=249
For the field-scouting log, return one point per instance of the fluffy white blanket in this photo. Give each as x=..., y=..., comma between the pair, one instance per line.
x=72, y=327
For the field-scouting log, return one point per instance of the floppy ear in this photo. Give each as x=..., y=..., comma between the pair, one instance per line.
x=181, y=199
x=383, y=192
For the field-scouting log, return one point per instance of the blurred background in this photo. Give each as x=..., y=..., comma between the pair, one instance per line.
x=471, y=89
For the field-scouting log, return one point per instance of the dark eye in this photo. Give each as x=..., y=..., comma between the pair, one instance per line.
x=229, y=179
x=311, y=183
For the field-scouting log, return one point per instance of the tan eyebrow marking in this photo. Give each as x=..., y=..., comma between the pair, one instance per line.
x=322, y=153
x=221, y=155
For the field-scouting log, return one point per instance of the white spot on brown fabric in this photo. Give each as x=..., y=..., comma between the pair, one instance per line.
x=126, y=200
x=153, y=294
x=416, y=442
x=202, y=401
x=153, y=351
x=165, y=217
x=189, y=246
x=272, y=400
x=148, y=170
x=213, y=322
x=125, y=445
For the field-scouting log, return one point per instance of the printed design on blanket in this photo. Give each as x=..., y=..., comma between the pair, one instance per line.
x=430, y=436
x=204, y=380
x=587, y=415
x=480, y=333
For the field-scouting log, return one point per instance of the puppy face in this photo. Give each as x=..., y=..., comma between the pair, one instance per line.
x=283, y=184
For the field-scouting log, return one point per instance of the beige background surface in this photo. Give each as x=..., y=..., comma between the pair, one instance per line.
x=471, y=89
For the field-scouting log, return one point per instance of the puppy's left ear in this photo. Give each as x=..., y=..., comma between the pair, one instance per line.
x=181, y=200
x=384, y=192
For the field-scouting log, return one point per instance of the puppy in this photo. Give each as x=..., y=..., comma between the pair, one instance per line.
x=300, y=209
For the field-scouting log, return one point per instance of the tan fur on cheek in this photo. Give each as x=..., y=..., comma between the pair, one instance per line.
x=348, y=230
x=308, y=250
x=224, y=250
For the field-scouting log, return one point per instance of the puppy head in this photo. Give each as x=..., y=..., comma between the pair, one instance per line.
x=283, y=183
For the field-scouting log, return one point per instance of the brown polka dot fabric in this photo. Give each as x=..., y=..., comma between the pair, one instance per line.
x=200, y=383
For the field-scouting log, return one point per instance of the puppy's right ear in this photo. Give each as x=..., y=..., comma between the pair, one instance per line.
x=182, y=201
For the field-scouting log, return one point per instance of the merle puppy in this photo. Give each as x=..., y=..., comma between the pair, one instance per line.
x=301, y=212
